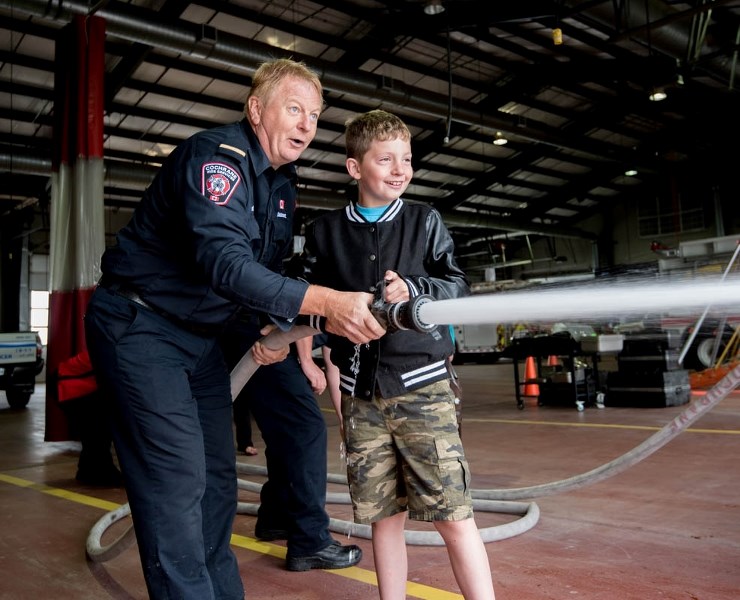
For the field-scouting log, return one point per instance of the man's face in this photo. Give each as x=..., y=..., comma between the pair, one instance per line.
x=285, y=122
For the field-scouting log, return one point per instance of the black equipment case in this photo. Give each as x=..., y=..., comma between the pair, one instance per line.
x=648, y=390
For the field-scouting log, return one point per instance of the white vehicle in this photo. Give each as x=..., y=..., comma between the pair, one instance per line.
x=480, y=343
x=20, y=361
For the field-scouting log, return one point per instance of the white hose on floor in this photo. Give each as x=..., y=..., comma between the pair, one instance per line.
x=96, y=552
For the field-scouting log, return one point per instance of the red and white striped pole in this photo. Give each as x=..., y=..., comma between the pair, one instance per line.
x=77, y=235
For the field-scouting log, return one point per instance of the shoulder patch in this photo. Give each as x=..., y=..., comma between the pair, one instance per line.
x=218, y=182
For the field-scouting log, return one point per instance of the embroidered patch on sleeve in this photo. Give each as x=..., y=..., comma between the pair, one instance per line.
x=219, y=182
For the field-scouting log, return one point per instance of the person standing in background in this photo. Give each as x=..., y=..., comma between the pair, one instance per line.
x=243, y=426
x=293, y=498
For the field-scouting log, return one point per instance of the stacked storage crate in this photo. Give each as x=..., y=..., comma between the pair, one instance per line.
x=648, y=374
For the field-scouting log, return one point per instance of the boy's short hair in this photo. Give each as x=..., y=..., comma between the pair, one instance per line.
x=368, y=127
x=270, y=74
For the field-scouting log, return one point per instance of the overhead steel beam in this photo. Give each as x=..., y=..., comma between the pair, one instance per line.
x=136, y=25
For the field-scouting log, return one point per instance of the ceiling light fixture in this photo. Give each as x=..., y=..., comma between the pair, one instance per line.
x=657, y=95
x=434, y=7
x=500, y=139
x=631, y=172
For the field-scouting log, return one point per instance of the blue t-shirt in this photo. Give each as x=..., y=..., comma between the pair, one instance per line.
x=371, y=214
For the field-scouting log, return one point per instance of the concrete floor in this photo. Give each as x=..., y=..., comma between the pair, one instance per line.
x=666, y=528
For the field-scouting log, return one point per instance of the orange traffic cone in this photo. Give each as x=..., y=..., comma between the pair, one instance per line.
x=552, y=361
x=530, y=378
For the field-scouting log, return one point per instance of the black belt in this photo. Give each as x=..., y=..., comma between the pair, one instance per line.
x=119, y=289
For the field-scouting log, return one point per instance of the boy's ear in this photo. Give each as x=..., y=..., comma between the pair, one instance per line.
x=353, y=168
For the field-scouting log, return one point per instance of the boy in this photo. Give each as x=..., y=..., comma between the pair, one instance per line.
x=404, y=453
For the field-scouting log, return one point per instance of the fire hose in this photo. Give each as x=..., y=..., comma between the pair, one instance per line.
x=419, y=314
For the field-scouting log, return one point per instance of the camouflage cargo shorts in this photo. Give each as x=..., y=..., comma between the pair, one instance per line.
x=405, y=453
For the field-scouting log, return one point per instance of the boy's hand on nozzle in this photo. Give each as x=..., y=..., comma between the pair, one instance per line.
x=396, y=288
x=348, y=314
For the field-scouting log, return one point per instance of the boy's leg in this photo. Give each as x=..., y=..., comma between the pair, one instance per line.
x=437, y=480
x=389, y=554
x=468, y=558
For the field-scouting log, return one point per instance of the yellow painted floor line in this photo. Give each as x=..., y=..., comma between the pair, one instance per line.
x=598, y=425
x=567, y=424
x=413, y=589
x=60, y=493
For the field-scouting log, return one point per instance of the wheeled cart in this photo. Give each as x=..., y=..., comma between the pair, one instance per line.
x=575, y=383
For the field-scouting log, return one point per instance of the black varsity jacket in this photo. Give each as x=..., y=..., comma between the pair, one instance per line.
x=345, y=252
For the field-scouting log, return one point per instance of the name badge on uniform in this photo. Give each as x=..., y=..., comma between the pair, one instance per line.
x=219, y=182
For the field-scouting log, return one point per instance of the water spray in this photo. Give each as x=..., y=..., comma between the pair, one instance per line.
x=588, y=301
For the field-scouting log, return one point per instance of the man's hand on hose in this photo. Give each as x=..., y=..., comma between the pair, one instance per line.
x=263, y=355
x=347, y=313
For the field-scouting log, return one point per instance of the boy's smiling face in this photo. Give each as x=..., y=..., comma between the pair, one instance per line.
x=383, y=173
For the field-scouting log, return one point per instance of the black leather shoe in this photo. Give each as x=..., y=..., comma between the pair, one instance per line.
x=266, y=534
x=334, y=556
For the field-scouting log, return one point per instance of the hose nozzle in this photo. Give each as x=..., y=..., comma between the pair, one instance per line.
x=402, y=315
